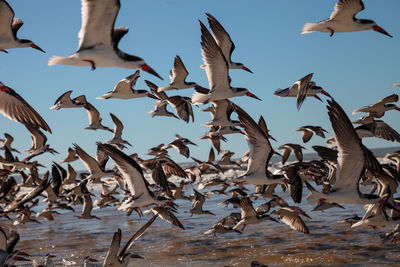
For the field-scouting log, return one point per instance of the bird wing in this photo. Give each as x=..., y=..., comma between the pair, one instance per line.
x=90, y=163
x=294, y=221
x=199, y=198
x=66, y=95
x=38, y=138
x=160, y=179
x=130, y=170
x=286, y=153
x=351, y=159
x=260, y=147
x=154, y=90
x=118, y=126
x=383, y=130
x=326, y=153
x=247, y=208
x=303, y=89
x=112, y=253
x=136, y=236
x=14, y=107
x=346, y=9
x=179, y=104
x=126, y=84
x=98, y=19
x=221, y=36
x=6, y=20
x=306, y=134
x=171, y=167
x=87, y=205
x=216, y=65
x=179, y=72
x=93, y=114
x=389, y=99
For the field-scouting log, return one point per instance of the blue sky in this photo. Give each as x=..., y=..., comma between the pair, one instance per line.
x=355, y=68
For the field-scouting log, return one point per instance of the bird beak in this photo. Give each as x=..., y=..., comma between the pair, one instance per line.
x=37, y=48
x=340, y=206
x=397, y=108
x=317, y=97
x=271, y=137
x=324, y=130
x=193, y=143
x=277, y=153
x=246, y=69
x=326, y=93
x=151, y=96
x=253, y=96
x=379, y=29
x=133, y=256
x=52, y=256
x=93, y=260
x=5, y=51
x=148, y=69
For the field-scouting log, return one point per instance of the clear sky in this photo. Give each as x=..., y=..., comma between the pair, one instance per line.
x=355, y=68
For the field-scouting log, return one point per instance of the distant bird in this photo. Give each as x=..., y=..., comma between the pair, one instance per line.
x=124, y=89
x=301, y=89
x=39, y=141
x=297, y=150
x=14, y=107
x=378, y=109
x=216, y=68
x=98, y=40
x=224, y=41
x=225, y=225
x=396, y=85
x=71, y=156
x=65, y=101
x=9, y=27
x=7, y=143
x=197, y=204
x=376, y=128
x=95, y=119
x=178, y=77
x=343, y=20
x=117, y=137
x=221, y=112
x=87, y=208
x=180, y=146
x=166, y=214
x=308, y=131
x=292, y=218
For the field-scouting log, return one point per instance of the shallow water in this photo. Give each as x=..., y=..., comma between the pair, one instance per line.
x=164, y=245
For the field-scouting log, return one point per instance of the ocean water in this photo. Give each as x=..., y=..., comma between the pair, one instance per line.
x=274, y=244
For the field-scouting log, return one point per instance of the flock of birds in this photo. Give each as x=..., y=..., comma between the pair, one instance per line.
x=340, y=172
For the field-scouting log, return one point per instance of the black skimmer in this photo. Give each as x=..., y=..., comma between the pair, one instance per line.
x=39, y=145
x=7, y=143
x=9, y=27
x=323, y=205
x=291, y=217
x=378, y=109
x=216, y=68
x=224, y=41
x=71, y=156
x=178, y=77
x=65, y=101
x=301, y=89
x=132, y=173
x=343, y=19
x=14, y=107
x=249, y=215
x=166, y=214
x=197, y=205
x=376, y=128
x=225, y=225
x=396, y=85
x=117, y=256
x=87, y=208
x=296, y=148
x=308, y=131
x=124, y=89
x=94, y=119
x=221, y=112
x=260, y=152
x=179, y=145
x=98, y=40
x=210, y=164
x=353, y=159
x=117, y=137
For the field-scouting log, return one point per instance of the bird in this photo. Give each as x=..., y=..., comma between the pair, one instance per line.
x=376, y=128
x=216, y=68
x=94, y=119
x=224, y=41
x=117, y=137
x=14, y=107
x=291, y=217
x=124, y=89
x=197, y=204
x=221, y=111
x=225, y=225
x=65, y=101
x=178, y=77
x=308, y=131
x=98, y=40
x=249, y=215
x=7, y=143
x=166, y=214
x=117, y=256
x=297, y=150
x=87, y=208
x=71, y=156
x=301, y=89
x=9, y=27
x=378, y=109
x=39, y=145
x=343, y=19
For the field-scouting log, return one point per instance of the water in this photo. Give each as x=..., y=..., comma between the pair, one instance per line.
x=274, y=244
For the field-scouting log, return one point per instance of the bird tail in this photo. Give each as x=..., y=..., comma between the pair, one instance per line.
x=310, y=27
x=282, y=92
x=199, y=98
x=56, y=60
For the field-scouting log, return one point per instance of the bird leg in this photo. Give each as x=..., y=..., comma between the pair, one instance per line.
x=2, y=50
x=332, y=31
x=93, y=65
x=139, y=212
